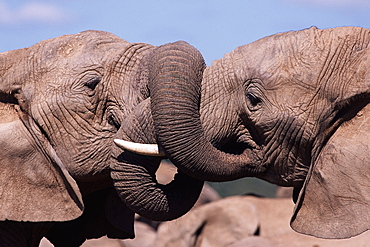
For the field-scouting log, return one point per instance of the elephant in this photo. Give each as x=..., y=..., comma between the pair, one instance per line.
x=243, y=221
x=291, y=109
x=274, y=109
x=213, y=224
x=62, y=101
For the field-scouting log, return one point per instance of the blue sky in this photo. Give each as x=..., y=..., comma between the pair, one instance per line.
x=215, y=27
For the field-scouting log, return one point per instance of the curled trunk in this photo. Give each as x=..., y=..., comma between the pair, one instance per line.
x=135, y=180
x=175, y=75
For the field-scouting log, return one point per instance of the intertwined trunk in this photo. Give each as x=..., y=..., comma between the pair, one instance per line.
x=175, y=76
x=134, y=175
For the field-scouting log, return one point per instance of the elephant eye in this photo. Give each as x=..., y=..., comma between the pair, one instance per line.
x=93, y=82
x=254, y=95
x=254, y=100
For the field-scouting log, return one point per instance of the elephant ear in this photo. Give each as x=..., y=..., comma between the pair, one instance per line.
x=34, y=185
x=335, y=199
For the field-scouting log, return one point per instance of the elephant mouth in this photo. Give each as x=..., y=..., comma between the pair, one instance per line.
x=238, y=146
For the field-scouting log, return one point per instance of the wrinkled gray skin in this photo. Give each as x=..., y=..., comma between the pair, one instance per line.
x=292, y=108
x=61, y=103
x=300, y=99
x=269, y=109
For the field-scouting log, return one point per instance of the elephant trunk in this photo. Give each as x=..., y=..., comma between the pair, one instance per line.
x=175, y=76
x=134, y=175
x=135, y=182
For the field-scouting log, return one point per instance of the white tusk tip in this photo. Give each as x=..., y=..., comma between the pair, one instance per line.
x=140, y=148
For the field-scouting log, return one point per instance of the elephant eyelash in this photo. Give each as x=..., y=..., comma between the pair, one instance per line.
x=112, y=120
x=254, y=100
x=253, y=94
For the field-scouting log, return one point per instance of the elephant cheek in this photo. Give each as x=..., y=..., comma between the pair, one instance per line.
x=286, y=174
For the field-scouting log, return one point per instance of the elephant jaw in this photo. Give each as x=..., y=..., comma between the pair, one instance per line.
x=294, y=176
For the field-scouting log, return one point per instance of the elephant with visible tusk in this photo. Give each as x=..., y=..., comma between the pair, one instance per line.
x=273, y=109
x=62, y=101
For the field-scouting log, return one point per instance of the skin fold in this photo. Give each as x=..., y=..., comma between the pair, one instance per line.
x=269, y=109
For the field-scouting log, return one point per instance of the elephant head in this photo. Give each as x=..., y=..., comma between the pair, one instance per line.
x=62, y=101
x=302, y=97
x=317, y=86
x=280, y=109
x=297, y=95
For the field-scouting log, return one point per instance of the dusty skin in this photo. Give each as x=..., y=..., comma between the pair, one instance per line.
x=290, y=108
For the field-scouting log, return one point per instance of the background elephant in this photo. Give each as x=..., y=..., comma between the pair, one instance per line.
x=243, y=221
x=146, y=230
x=213, y=224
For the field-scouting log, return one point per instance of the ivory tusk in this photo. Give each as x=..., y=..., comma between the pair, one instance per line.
x=140, y=148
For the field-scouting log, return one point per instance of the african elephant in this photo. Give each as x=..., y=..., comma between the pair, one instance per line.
x=213, y=224
x=243, y=221
x=62, y=101
x=290, y=109
x=267, y=109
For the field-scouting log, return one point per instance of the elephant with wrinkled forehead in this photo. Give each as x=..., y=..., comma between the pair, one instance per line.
x=290, y=109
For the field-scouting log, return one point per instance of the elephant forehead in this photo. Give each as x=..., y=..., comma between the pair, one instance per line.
x=82, y=48
x=306, y=67
x=305, y=55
